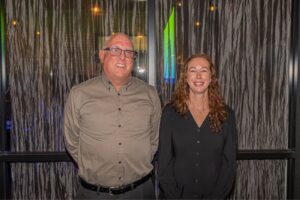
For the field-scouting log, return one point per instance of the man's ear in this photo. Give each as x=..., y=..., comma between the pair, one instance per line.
x=101, y=55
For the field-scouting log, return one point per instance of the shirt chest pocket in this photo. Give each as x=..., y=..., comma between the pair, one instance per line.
x=98, y=119
x=138, y=117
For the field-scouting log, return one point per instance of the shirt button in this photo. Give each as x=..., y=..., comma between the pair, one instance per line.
x=197, y=164
x=120, y=178
x=196, y=180
x=198, y=141
x=119, y=94
x=119, y=126
x=120, y=162
x=198, y=130
x=119, y=109
x=197, y=153
x=120, y=143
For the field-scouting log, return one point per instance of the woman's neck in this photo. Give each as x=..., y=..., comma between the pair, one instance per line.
x=198, y=102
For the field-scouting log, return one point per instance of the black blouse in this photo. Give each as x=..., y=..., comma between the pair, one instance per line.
x=194, y=162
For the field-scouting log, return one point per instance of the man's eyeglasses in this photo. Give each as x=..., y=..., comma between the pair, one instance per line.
x=115, y=51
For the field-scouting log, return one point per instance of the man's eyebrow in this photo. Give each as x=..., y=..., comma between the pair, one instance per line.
x=116, y=46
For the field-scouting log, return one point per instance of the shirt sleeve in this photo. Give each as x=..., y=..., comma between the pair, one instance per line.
x=71, y=126
x=155, y=121
x=228, y=169
x=168, y=185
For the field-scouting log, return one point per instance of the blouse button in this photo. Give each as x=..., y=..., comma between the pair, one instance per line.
x=198, y=141
x=196, y=180
x=198, y=130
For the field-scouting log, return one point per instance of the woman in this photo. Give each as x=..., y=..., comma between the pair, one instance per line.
x=197, y=152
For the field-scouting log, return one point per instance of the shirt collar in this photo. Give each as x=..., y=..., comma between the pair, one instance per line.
x=107, y=83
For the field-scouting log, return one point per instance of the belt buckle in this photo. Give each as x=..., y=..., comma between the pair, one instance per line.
x=110, y=190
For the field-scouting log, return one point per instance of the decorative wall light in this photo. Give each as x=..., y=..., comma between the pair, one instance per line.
x=96, y=10
x=14, y=22
x=169, y=49
x=212, y=8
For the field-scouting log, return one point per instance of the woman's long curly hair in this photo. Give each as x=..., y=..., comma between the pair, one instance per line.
x=217, y=112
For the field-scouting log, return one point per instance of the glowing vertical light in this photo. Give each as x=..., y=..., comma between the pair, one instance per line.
x=166, y=52
x=169, y=49
x=2, y=72
x=2, y=38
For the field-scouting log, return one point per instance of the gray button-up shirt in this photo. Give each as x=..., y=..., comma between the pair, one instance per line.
x=112, y=135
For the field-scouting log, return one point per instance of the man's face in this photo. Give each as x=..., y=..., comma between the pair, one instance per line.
x=117, y=68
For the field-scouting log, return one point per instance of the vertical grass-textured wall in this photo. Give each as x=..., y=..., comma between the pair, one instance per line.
x=249, y=41
x=51, y=46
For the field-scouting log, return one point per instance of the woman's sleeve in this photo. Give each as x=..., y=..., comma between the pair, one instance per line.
x=228, y=169
x=168, y=186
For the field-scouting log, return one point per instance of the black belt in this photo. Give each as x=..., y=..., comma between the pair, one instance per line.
x=114, y=190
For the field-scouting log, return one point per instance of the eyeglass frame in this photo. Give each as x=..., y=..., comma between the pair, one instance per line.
x=120, y=52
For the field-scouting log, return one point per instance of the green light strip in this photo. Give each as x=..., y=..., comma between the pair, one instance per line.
x=172, y=43
x=2, y=35
x=169, y=48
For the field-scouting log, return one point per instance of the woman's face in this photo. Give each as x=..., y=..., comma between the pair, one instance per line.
x=198, y=75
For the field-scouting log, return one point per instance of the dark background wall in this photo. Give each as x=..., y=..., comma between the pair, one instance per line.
x=52, y=45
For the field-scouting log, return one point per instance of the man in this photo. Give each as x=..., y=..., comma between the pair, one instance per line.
x=111, y=126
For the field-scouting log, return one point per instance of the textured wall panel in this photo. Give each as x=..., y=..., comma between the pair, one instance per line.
x=43, y=180
x=260, y=179
x=51, y=46
x=249, y=41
